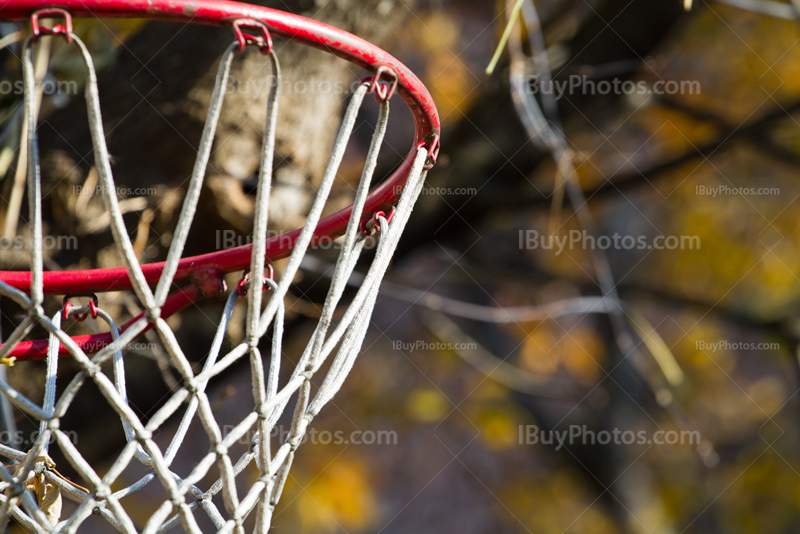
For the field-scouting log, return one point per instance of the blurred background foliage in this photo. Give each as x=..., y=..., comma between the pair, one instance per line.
x=459, y=464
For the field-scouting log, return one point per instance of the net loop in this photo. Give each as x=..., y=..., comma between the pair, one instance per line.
x=433, y=152
x=81, y=313
x=383, y=91
x=370, y=227
x=262, y=41
x=244, y=283
x=59, y=29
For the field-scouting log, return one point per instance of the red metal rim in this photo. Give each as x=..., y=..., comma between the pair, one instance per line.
x=281, y=24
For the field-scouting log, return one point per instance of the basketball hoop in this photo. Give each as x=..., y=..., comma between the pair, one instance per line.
x=383, y=211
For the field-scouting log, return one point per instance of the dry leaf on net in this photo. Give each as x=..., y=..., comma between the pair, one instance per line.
x=48, y=494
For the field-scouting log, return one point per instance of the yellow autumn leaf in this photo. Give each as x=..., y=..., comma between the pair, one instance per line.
x=339, y=498
x=427, y=405
x=540, y=352
x=584, y=355
x=499, y=430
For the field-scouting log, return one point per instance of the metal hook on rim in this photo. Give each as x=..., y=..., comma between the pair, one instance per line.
x=433, y=152
x=372, y=226
x=263, y=41
x=58, y=29
x=244, y=283
x=383, y=92
x=68, y=308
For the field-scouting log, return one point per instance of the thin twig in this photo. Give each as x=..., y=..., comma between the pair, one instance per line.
x=157, y=353
x=10, y=39
x=532, y=118
x=493, y=367
x=504, y=39
x=796, y=6
x=18, y=189
x=657, y=347
x=766, y=7
x=468, y=310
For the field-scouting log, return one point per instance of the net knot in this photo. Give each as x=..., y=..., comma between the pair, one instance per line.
x=305, y=421
x=192, y=386
x=53, y=425
x=153, y=314
x=297, y=438
x=102, y=493
x=144, y=435
x=220, y=450
x=92, y=369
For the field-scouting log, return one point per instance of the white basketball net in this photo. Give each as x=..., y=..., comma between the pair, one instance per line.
x=20, y=469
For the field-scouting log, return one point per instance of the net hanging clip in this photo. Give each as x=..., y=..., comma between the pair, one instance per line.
x=263, y=40
x=244, y=283
x=59, y=29
x=433, y=152
x=81, y=313
x=383, y=91
x=372, y=226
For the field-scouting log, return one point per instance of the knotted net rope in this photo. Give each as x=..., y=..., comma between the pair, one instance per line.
x=185, y=496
